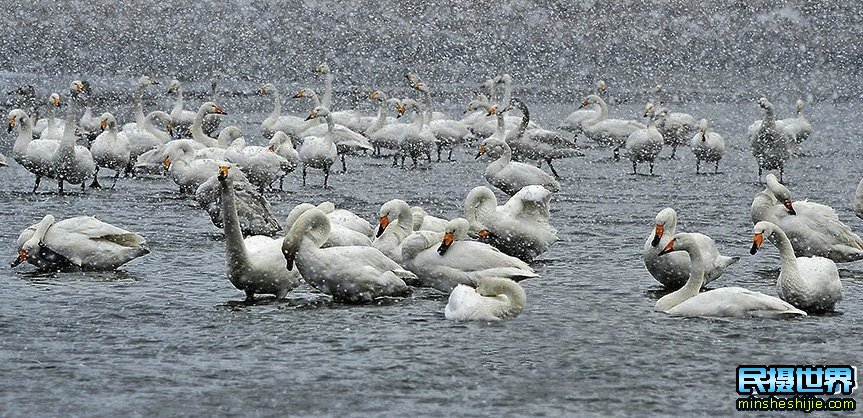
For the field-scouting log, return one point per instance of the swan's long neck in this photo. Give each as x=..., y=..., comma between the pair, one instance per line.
x=762, y=207
x=316, y=99
x=769, y=117
x=603, y=109
x=382, y=114
x=139, y=107
x=327, y=100
x=236, y=248
x=514, y=294
x=525, y=120
x=198, y=132
x=505, y=158
x=478, y=205
x=419, y=120
x=25, y=135
x=152, y=130
x=500, y=131
x=786, y=253
x=428, y=109
x=692, y=286
x=277, y=104
x=52, y=120
x=330, y=126
x=41, y=230
x=507, y=95
x=67, y=144
x=178, y=103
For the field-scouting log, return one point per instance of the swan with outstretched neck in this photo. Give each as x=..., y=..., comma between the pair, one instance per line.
x=354, y=274
x=493, y=299
x=73, y=163
x=809, y=283
x=254, y=263
x=722, y=302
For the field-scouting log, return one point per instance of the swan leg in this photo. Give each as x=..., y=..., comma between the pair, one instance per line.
x=439, y=146
x=130, y=170
x=83, y=185
x=697, y=166
x=759, y=174
x=38, y=180
x=450, y=155
x=617, y=154
x=651, y=168
x=116, y=176
x=281, y=183
x=326, y=176
x=95, y=184
x=551, y=167
x=344, y=167
x=60, y=185
x=304, y=175
x=634, y=167
x=250, y=296
x=395, y=160
x=781, y=172
x=716, y=168
x=673, y=151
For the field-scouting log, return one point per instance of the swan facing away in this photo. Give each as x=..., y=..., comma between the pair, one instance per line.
x=707, y=146
x=493, y=299
x=673, y=270
x=809, y=283
x=354, y=274
x=722, y=302
x=83, y=242
x=254, y=263
x=813, y=229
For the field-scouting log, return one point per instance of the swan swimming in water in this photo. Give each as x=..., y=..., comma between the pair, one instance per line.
x=354, y=274
x=254, y=264
x=84, y=243
x=396, y=224
x=673, y=270
x=809, y=283
x=722, y=302
x=493, y=299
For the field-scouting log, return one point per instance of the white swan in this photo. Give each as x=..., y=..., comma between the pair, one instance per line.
x=2, y=160
x=143, y=82
x=396, y=224
x=809, y=283
x=605, y=131
x=35, y=155
x=722, y=302
x=417, y=140
x=347, y=140
x=254, y=263
x=89, y=125
x=261, y=164
x=519, y=228
x=72, y=163
x=276, y=122
x=707, y=146
x=493, y=299
x=448, y=132
x=350, y=274
x=346, y=219
x=644, y=145
x=111, y=149
x=814, y=229
x=340, y=236
x=797, y=129
x=673, y=270
x=84, y=242
x=283, y=146
x=574, y=122
x=385, y=133
x=858, y=200
x=538, y=144
x=151, y=138
x=339, y=117
x=511, y=176
x=676, y=128
x=425, y=222
x=51, y=128
x=187, y=170
x=252, y=208
x=445, y=260
x=319, y=151
x=181, y=118
x=769, y=145
x=197, y=131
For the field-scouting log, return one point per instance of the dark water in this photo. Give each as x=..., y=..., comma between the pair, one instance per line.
x=167, y=334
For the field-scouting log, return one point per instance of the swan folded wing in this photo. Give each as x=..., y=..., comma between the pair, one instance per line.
x=530, y=203
x=90, y=243
x=823, y=220
x=518, y=175
x=345, y=137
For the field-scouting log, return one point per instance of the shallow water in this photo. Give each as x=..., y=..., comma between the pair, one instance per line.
x=168, y=335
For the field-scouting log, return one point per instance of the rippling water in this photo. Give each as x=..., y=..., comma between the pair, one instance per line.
x=168, y=335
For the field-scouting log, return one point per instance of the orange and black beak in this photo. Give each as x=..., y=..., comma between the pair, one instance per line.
x=300, y=94
x=170, y=128
x=385, y=220
x=585, y=104
x=11, y=124
x=272, y=148
x=223, y=172
x=484, y=234
x=657, y=235
x=757, y=240
x=447, y=241
x=668, y=248
x=219, y=111
x=312, y=115
x=482, y=150
x=104, y=124
x=373, y=95
x=57, y=101
x=492, y=111
x=289, y=260
x=789, y=207
x=22, y=257
x=167, y=163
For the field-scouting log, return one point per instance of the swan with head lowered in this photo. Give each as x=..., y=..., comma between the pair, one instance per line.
x=707, y=146
x=254, y=263
x=354, y=274
x=644, y=145
x=813, y=229
x=538, y=144
x=519, y=228
x=673, y=270
x=72, y=163
x=111, y=149
x=809, y=283
x=769, y=144
x=283, y=146
x=722, y=302
x=493, y=299
x=445, y=260
x=83, y=242
x=511, y=176
x=346, y=219
x=35, y=155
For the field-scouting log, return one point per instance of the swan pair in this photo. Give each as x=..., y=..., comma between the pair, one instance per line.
x=676, y=128
x=78, y=243
x=183, y=119
x=51, y=127
x=493, y=299
x=707, y=146
x=673, y=270
x=263, y=165
x=574, y=122
x=813, y=229
x=768, y=143
x=511, y=176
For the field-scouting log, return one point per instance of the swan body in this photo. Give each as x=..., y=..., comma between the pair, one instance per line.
x=796, y=129
x=813, y=229
x=251, y=207
x=72, y=163
x=722, y=302
x=511, y=176
x=83, y=242
x=425, y=222
x=111, y=149
x=186, y=169
x=769, y=144
x=261, y=164
x=605, y=131
x=50, y=128
x=575, y=121
x=181, y=118
x=707, y=146
x=673, y=270
x=319, y=152
x=254, y=264
x=340, y=236
x=445, y=260
x=396, y=224
x=276, y=122
x=538, y=144
x=519, y=228
x=493, y=299
x=354, y=274
x=644, y=145
x=35, y=155
x=346, y=219
x=809, y=283
x=676, y=128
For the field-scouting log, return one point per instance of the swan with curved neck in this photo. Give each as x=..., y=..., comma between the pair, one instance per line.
x=355, y=274
x=605, y=131
x=254, y=264
x=511, y=176
x=493, y=299
x=111, y=149
x=208, y=108
x=36, y=155
x=396, y=224
x=722, y=302
x=143, y=82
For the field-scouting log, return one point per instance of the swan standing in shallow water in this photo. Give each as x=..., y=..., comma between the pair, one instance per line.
x=353, y=274
x=50, y=128
x=254, y=263
x=511, y=176
x=181, y=118
x=444, y=260
x=644, y=145
x=276, y=121
x=35, y=155
x=814, y=229
x=493, y=299
x=252, y=208
x=769, y=144
x=673, y=270
x=319, y=151
x=722, y=302
x=143, y=82
x=111, y=149
x=84, y=242
x=605, y=131
x=809, y=283
x=574, y=123
x=538, y=144
x=707, y=146
x=72, y=163
x=796, y=129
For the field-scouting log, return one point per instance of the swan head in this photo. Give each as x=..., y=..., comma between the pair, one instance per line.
x=31, y=246
x=279, y=138
x=494, y=147
x=76, y=87
x=649, y=110
x=600, y=87
x=318, y=112
x=591, y=99
x=267, y=88
x=230, y=133
x=145, y=81
x=455, y=230
x=666, y=220
x=296, y=212
x=758, y=232
x=680, y=242
x=211, y=108
x=764, y=103
x=377, y=94
x=54, y=100
x=223, y=173
x=503, y=79
x=799, y=106
x=322, y=68
x=312, y=224
x=107, y=121
x=17, y=116
x=305, y=92
x=781, y=193
x=174, y=86
x=395, y=209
